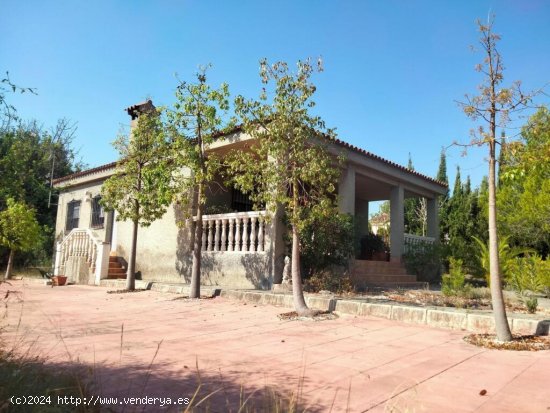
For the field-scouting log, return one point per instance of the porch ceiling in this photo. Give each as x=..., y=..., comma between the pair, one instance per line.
x=371, y=189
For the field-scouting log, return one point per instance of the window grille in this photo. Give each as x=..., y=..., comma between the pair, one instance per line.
x=98, y=214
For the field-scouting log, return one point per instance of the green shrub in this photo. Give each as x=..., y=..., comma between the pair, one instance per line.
x=424, y=261
x=527, y=276
x=371, y=244
x=326, y=242
x=454, y=283
x=532, y=303
x=331, y=280
x=506, y=255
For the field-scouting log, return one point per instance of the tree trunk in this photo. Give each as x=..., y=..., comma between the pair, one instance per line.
x=131, y=275
x=499, y=309
x=195, y=288
x=297, y=291
x=10, y=265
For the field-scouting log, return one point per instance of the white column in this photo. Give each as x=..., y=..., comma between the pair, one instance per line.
x=397, y=223
x=346, y=191
x=102, y=262
x=57, y=258
x=433, y=218
x=114, y=242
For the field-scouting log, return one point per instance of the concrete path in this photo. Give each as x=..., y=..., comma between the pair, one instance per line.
x=363, y=364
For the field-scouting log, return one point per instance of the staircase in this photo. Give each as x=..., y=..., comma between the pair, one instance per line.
x=383, y=275
x=116, y=269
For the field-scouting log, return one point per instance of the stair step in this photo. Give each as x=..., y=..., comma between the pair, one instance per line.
x=415, y=285
x=116, y=277
x=115, y=265
x=377, y=278
x=113, y=258
x=116, y=271
x=387, y=271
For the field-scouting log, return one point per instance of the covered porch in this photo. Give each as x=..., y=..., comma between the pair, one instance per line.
x=360, y=184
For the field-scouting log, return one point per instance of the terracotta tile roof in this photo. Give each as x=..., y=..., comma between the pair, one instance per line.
x=239, y=128
x=92, y=171
x=395, y=165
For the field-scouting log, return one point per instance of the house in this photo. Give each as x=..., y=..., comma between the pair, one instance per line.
x=380, y=222
x=240, y=249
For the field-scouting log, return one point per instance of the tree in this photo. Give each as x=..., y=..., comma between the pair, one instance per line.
x=30, y=157
x=139, y=190
x=193, y=124
x=415, y=211
x=289, y=164
x=443, y=200
x=524, y=191
x=19, y=230
x=8, y=112
x=493, y=105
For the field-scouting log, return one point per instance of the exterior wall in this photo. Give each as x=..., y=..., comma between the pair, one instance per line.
x=164, y=254
x=83, y=193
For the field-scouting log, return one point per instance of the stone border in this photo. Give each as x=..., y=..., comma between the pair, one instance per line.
x=441, y=317
x=476, y=321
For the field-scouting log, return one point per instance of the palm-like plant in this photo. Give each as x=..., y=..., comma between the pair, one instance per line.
x=506, y=255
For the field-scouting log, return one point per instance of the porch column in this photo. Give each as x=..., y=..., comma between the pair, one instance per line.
x=346, y=191
x=362, y=216
x=397, y=223
x=433, y=218
x=114, y=236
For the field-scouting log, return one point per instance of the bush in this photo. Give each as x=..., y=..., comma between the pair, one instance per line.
x=454, y=283
x=326, y=242
x=424, y=261
x=329, y=280
x=527, y=276
x=371, y=244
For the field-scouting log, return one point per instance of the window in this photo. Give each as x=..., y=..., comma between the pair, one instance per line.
x=240, y=202
x=98, y=214
x=73, y=215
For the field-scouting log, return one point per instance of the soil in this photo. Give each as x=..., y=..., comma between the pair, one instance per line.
x=518, y=343
x=431, y=298
x=320, y=316
x=137, y=290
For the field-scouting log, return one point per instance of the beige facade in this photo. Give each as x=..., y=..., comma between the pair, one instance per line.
x=241, y=249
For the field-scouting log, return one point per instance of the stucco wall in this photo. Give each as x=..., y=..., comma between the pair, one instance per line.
x=83, y=193
x=164, y=254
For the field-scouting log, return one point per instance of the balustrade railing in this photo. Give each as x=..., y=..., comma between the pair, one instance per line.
x=234, y=232
x=416, y=241
x=79, y=243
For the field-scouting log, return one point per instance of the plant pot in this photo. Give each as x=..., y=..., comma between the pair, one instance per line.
x=59, y=280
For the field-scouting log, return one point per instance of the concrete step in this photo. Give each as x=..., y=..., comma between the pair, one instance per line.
x=387, y=271
x=116, y=276
x=414, y=285
x=376, y=264
x=378, y=278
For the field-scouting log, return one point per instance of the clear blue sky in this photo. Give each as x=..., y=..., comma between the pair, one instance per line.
x=393, y=69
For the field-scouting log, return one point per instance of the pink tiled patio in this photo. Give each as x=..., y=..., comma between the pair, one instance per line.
x=361, y=363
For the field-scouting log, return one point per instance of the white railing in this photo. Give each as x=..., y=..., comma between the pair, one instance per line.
x=81, y=242
x=235, y=232
x=415, y=241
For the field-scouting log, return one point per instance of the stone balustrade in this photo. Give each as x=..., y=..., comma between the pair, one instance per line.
x=81, y=242
x=240, y=232
x=416, y=241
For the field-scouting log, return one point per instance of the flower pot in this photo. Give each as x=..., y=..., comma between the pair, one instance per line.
x=59, y=280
